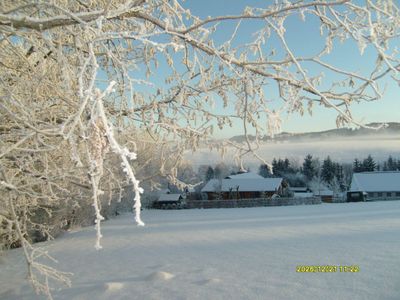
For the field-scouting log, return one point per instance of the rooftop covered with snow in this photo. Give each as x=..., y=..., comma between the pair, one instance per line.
x=388, y=181
x=245, y=185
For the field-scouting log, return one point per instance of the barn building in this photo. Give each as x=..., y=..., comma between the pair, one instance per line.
x=168, y=201
x=243, y=186
x=377, y=185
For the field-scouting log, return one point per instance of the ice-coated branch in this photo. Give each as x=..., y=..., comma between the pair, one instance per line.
x=124, y=154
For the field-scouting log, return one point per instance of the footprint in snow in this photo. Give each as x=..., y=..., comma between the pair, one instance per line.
x=113, y=286
x=160, y=276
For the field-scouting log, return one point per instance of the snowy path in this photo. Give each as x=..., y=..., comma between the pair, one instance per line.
x=247, y=253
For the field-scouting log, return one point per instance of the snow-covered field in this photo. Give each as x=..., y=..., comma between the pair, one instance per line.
x=247, y=253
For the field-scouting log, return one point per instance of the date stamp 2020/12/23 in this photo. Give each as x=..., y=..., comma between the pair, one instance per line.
x=327, y=269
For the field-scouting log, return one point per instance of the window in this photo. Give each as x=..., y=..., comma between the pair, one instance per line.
x=397, y=194
x=379, y=195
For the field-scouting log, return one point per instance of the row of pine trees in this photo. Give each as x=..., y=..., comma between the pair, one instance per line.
x=329, y=172
x=312, y=171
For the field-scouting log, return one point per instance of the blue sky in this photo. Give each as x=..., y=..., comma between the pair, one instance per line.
x=304, y=39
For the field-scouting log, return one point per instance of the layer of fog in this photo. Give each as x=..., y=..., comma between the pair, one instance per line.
x=343, y=150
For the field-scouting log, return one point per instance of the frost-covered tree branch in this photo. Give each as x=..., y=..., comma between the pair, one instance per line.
x=80, y=78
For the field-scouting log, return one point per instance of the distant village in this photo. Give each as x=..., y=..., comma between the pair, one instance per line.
x=286, y=183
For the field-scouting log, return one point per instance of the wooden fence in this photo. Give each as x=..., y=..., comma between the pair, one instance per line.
x=251, y=202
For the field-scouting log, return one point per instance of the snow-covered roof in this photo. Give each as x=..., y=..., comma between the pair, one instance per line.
x=376, y=182
x=169, y=197
x=248, y=175
x=245, y=185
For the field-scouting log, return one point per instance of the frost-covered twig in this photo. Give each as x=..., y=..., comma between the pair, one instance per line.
x=124, y=154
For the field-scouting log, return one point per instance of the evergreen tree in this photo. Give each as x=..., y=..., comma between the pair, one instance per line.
x=328, y=170
x=391, y=164
x=274, y=165
x=281, y=167
x=369, y=164
x=286, y=165
x=278, y=167
x=357, y=166
x=264, y=171
x=209, y=173
x=309, y=169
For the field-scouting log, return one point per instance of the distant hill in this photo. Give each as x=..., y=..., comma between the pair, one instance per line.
x=392, y=128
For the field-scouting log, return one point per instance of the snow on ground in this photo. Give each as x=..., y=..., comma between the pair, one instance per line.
x=244, y=253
